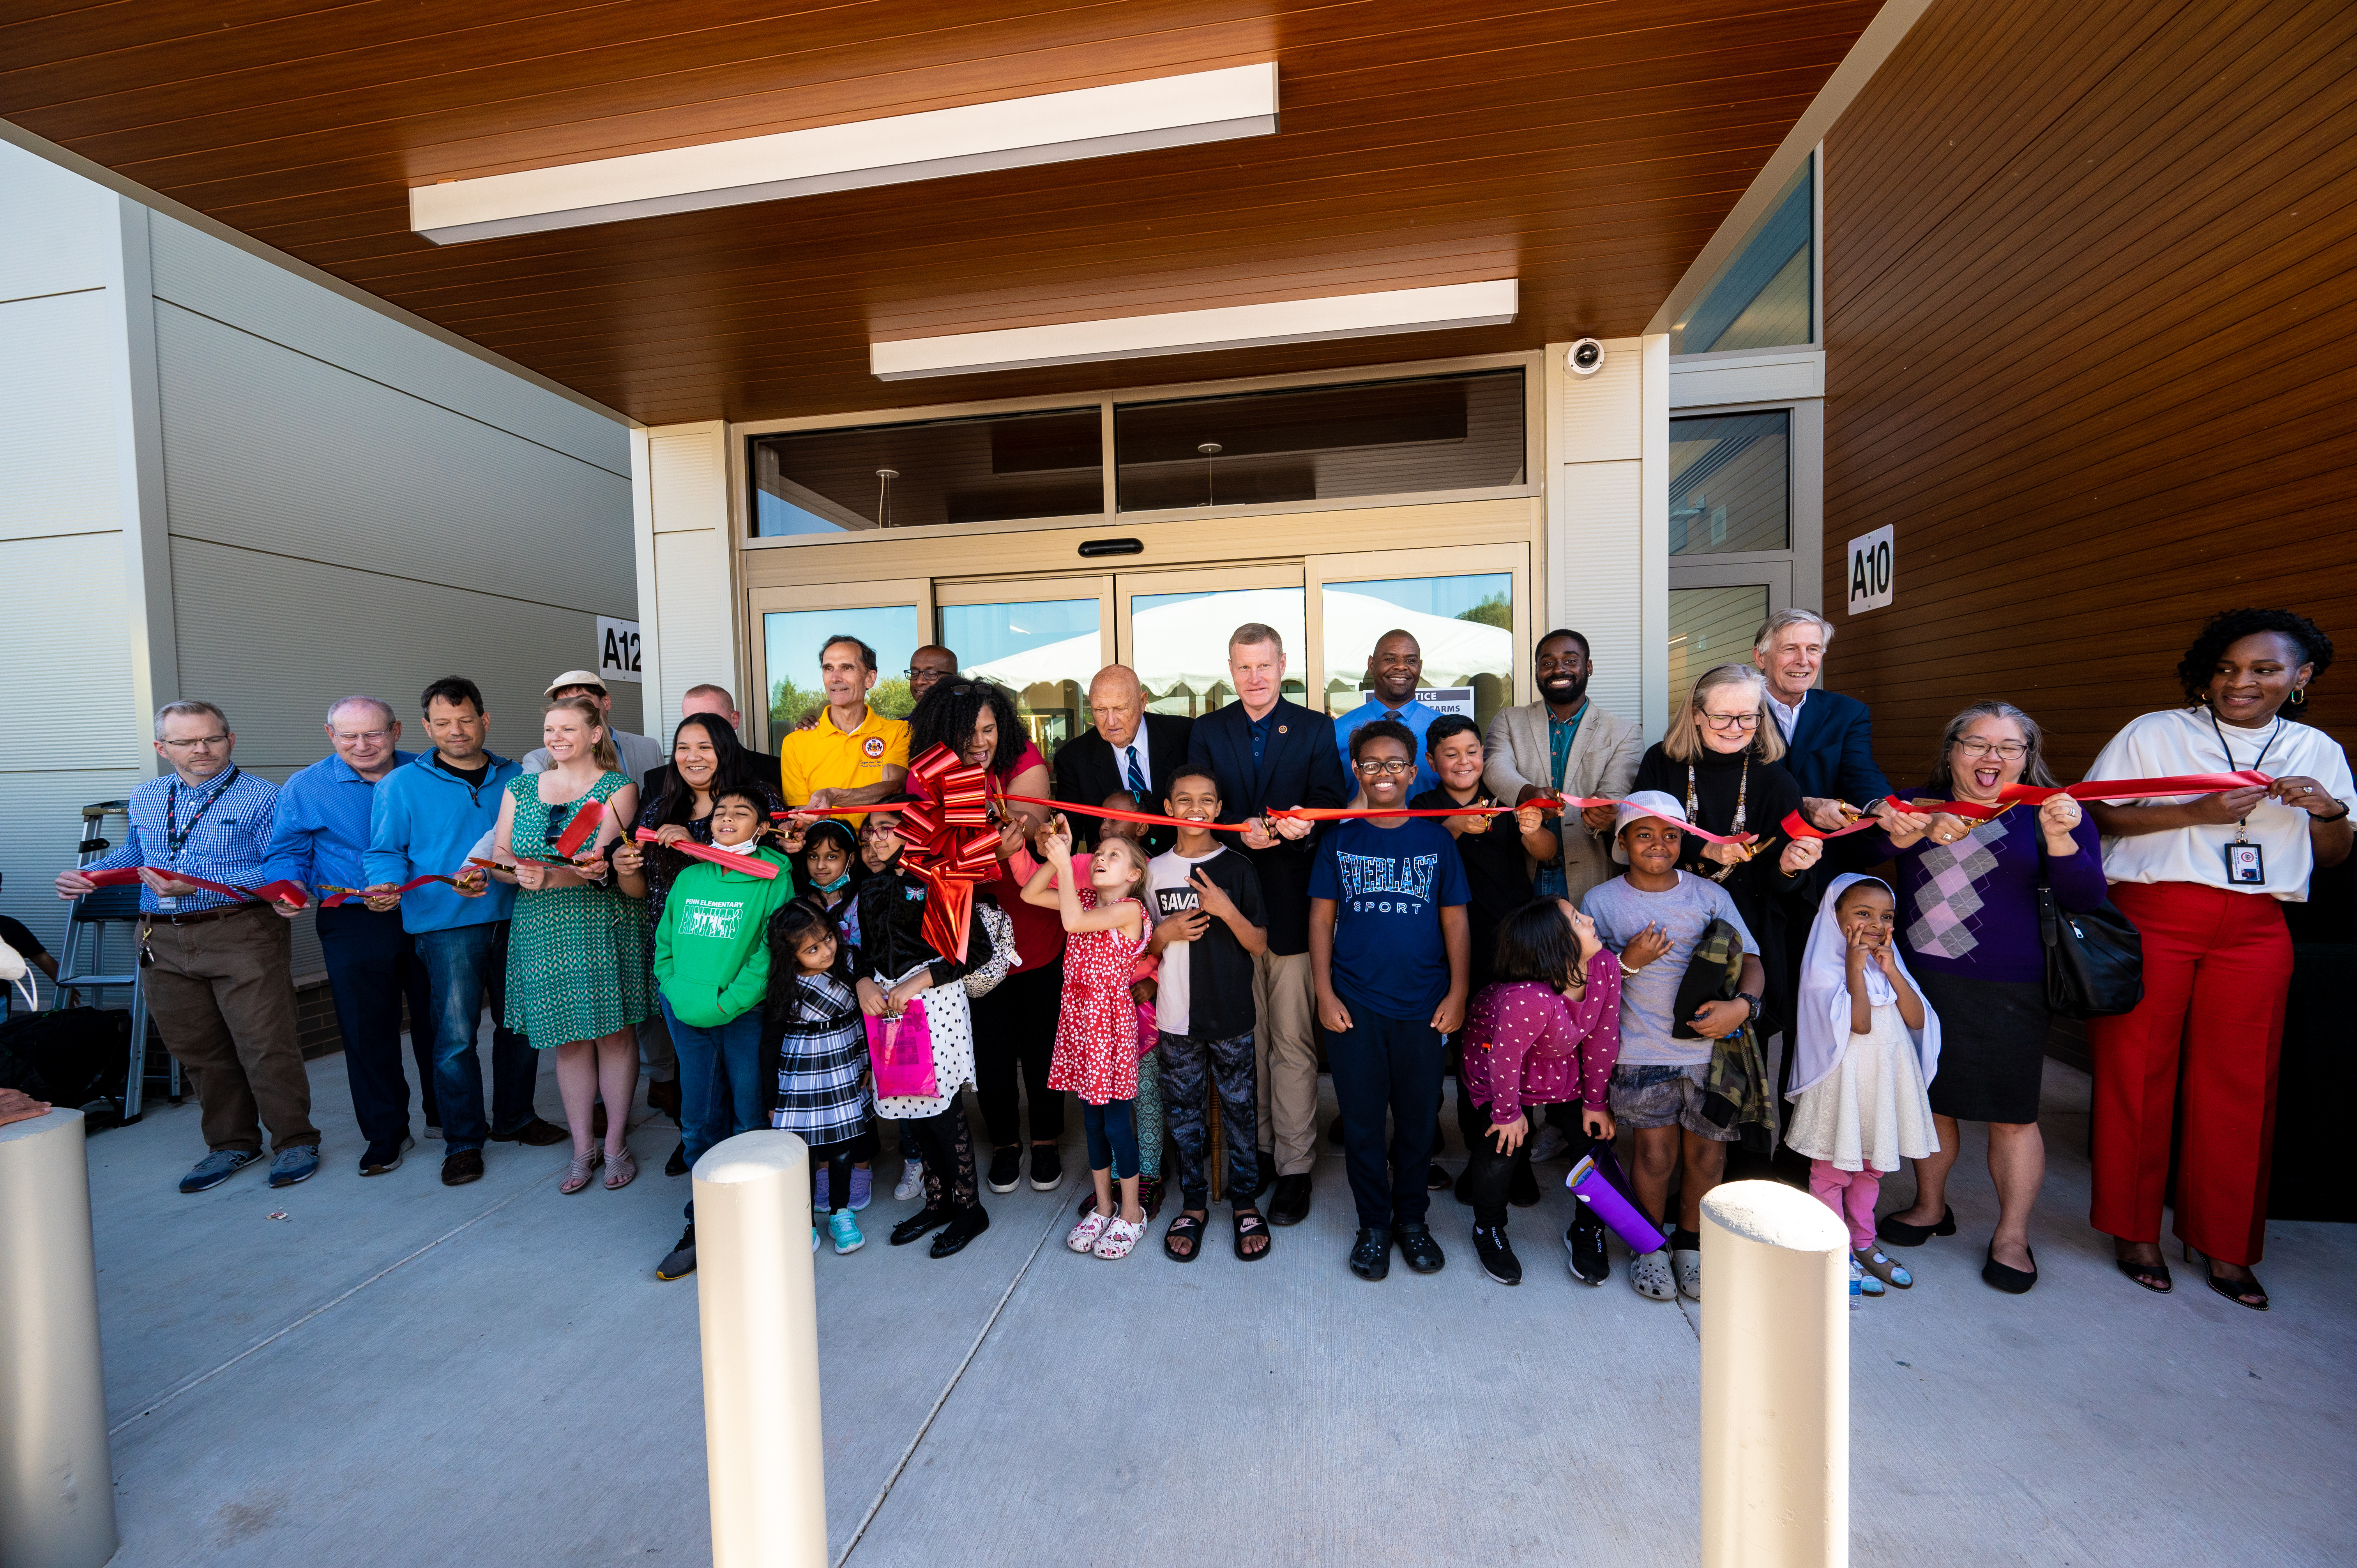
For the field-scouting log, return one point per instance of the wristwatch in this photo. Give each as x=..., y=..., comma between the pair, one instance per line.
x=1749, y=1001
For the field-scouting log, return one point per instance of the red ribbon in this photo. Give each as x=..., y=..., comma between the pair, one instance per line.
x=1345, y=814
x=578, y=831
x=726, y=859
x=2013, y=795
x=336, y=896
x=275, y=891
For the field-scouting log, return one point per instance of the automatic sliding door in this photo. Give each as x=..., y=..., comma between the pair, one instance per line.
x=1175, y=626
x=791, y=624
x=1464, y=606
x=1042, y=639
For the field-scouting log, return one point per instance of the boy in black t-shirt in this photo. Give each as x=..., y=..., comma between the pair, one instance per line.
x=1207, y=924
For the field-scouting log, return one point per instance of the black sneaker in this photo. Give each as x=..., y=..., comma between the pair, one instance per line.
x=1418, y=1249
x=1370, y=1255
x=1585, y=1244
x=462, y=1167
x=918, y=1224
x=677, y=1164
x=1047, y=1172
x=680, y=1262
x=383, y=1154
x=1436, y=1177
x=1497, y=1255
x=1006, y=1169
x=962, y=1229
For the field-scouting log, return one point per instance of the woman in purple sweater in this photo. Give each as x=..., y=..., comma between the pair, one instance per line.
x=1968, y=923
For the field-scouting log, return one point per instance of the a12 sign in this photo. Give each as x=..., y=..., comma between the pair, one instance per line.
x=618, y=651
x=1869, y=570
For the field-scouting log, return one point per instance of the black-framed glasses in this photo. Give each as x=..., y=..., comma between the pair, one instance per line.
x=1731, y=721
x=1392, y=766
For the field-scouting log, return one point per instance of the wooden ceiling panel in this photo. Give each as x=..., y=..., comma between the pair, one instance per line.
x=1588, y=148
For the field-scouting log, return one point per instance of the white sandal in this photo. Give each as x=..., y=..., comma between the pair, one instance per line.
x=1119, y=1238
x=1083, y=1235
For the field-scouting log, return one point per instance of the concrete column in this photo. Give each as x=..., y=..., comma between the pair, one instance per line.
x=1775, y=1379
x=56, y=1487
x=756, y=1300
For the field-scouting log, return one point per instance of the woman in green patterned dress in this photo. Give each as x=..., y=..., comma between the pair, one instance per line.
x=577, y=972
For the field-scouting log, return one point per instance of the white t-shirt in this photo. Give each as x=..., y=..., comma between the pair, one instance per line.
x=2181, y=740
x=1167, y=874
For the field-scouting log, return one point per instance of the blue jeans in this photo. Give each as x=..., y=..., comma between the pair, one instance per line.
x=1113, y=1137
x=720, y=1087
x=466, y=966
x=372, y=965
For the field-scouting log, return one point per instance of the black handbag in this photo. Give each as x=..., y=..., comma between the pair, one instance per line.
x=2094, y=958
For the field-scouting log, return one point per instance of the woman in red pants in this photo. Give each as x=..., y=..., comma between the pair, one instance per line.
x=2204, y=880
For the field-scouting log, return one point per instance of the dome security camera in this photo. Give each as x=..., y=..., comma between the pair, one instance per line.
x=1583, y=358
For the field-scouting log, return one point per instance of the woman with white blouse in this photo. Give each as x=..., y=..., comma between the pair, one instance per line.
x=2204, y=879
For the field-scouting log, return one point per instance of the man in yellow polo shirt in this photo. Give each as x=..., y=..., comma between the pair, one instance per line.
x=852, y=756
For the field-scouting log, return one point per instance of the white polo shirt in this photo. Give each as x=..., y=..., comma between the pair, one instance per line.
x=2181, y=740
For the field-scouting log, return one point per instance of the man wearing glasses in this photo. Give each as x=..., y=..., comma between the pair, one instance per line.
x=320, y=832
x=215, y=966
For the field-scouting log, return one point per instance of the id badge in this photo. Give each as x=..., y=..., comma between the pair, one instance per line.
x=2245, y=866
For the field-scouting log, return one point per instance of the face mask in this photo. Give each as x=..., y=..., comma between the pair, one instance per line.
x=839, y=882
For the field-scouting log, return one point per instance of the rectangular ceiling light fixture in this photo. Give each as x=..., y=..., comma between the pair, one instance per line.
x=1198, y=331
x=1052, y=128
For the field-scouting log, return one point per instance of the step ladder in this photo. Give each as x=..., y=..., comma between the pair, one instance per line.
x=101, y=953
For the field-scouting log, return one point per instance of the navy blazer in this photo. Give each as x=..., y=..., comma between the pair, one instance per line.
x=1299, y=767
x=1085, y=774
x=1832, y=751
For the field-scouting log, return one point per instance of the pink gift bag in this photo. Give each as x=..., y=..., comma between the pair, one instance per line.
x=901, y=1050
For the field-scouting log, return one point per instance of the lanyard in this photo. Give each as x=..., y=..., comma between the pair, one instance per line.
x=2255, y=761
x=176, y=838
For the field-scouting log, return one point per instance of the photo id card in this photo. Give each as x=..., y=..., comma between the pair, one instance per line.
x=2244, y=865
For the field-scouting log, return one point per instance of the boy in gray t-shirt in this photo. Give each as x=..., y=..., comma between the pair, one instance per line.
x=1651, y=917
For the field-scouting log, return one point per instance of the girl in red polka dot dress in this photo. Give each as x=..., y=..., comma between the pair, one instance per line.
x=1096, y=1029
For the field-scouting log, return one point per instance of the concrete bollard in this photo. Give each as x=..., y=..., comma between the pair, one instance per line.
x=756, y=1305
x=57, y=1487
x=1775, y=1379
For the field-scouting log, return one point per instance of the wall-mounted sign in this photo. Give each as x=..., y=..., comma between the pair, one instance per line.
x=1447, y=699
x=618, y=651
x=1869, y=570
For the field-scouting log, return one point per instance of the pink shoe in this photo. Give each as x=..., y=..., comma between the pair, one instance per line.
x=1119, y=1238
x=1083, y=1237
x=576, y=1175
x=621, y=1170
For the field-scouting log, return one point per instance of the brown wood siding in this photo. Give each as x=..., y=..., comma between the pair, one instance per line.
x=2090, y=307
x=1589, y=149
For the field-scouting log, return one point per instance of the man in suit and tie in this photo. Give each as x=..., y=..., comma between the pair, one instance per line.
x=1564, y=745
x=1268, y=752
x=1128, y=748
x=1828, y=737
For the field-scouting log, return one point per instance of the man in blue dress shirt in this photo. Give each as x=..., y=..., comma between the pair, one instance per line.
x=321, y=831
x=215, y=966
x=1394, y=669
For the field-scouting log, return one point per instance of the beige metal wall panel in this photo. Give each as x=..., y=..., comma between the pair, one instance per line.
x=66, y=696
x=58, y=424
x=1600, y=417
x=692, y=621
x=55, y=228
x=1599, y=581
x=275, y=640
x=1607, y=537
x=201, y=273
x=270, y=449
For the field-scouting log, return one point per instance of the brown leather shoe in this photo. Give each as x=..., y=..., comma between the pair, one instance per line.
x=535, y=1133
x=462, y=1167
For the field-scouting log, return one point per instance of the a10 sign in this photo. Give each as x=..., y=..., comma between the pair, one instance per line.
x=1869, y=570
x=617, y=650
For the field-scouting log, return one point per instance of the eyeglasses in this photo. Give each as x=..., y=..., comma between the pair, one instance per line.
x=872, y=828
x=2007, y=750
x=368, y=736
x=913, y=674
x=206, y=741
x=1731, y=721
x=1374, y=769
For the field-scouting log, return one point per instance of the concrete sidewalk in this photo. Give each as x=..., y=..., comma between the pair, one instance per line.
x=399, y=1371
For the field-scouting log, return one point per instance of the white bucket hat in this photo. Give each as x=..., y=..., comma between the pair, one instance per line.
x=1643, y=804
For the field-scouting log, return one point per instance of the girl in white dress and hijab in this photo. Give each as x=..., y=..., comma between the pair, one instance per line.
x=1866, y=1045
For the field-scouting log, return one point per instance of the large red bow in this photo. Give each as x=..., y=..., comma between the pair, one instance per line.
x=950, y=843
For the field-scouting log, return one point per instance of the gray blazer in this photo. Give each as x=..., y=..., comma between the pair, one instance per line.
x=1603, y=762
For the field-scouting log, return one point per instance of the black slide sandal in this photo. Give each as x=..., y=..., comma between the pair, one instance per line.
x=1249, y=1223
x=1188, y=1229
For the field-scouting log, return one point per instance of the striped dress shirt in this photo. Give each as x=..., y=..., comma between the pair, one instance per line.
x=228, y=842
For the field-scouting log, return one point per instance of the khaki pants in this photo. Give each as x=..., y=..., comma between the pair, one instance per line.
x=224, y=1002
x=1284, y=1050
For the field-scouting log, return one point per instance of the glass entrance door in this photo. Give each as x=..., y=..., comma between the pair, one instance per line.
x=1175, y=626
x=791, y=624
x=1042, y=639
x=1460, y=605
